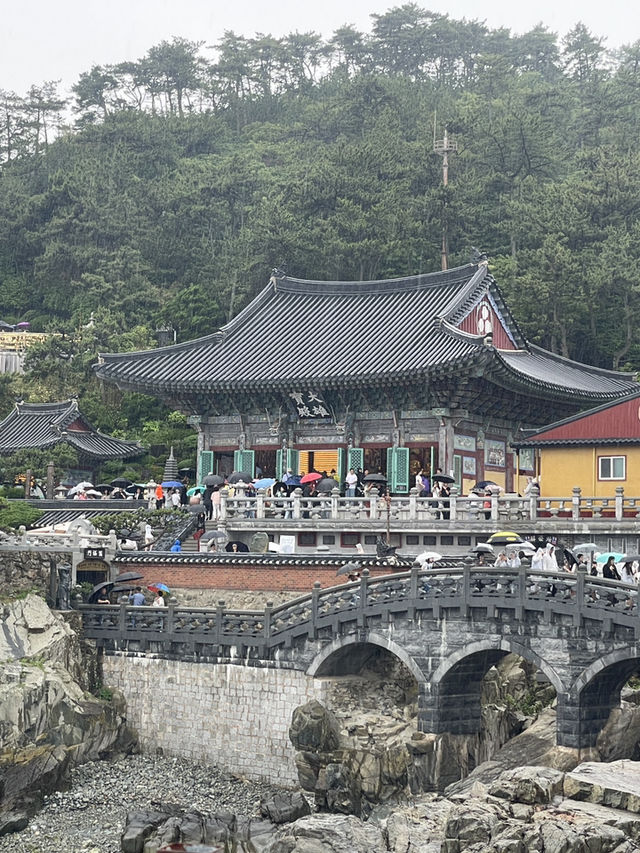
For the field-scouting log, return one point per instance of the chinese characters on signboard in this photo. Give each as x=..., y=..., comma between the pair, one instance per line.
x=309, y=404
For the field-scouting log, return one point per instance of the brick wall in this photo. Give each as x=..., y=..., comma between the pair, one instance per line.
x=240, y=576
x=233, y=716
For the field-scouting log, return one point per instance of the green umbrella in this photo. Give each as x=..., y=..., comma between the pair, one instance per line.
x=194, y=489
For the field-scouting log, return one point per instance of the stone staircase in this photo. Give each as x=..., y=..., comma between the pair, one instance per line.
x=190, y=545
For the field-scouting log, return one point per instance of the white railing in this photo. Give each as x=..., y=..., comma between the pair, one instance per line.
x=502, y=509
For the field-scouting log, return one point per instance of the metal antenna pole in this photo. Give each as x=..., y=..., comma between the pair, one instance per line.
x=443, y=147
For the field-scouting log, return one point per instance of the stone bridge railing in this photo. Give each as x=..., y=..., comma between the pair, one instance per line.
x=370, y=603
x=414, y=509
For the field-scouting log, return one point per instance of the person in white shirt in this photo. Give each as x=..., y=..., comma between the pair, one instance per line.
x=351, y=481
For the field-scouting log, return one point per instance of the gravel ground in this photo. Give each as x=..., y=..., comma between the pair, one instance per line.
x=90, y=817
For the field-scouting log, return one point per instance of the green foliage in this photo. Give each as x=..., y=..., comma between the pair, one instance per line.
x=104, y=693
x=83, y=589
x=36, y=661
x=17, y=513
x=193, y=171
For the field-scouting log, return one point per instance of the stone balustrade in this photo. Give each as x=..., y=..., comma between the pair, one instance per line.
x=365, y=602
x=504, y=508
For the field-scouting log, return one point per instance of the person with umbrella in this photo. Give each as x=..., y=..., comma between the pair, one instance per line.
x=159, y=601
x=103, y=597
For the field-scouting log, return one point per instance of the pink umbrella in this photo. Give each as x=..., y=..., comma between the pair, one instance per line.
x=311, y=477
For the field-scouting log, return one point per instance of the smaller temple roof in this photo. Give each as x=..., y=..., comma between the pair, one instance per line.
x=42, y=425
x=612, y=423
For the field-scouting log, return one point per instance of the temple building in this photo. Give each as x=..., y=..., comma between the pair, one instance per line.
x=430, y=371
x=43, y=425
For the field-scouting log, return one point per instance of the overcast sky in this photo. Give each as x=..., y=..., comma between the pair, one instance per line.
x=58, y=39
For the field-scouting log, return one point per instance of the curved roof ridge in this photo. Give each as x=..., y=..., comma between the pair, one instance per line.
x=383, y=285
x=38, y=408
x=457, y=302
x=561, y=359
x=136, y=354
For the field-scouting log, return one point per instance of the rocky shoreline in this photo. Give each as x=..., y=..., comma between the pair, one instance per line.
x=91, y=816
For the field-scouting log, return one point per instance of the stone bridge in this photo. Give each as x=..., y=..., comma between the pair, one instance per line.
x=448, y=626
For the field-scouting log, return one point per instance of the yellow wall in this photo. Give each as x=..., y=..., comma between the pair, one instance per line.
x=562, y=468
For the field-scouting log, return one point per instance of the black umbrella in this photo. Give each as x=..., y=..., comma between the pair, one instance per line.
x=128, y=576
x=483, y=484
x=213, y=534
x=240, y=547
x=349, y=568
x=240, y=476
x=279, y=490
x=571, y=560
x=374, y=478
x=103, y=487
x=213, y=480
x=443, y=478
x=482, y=548
x=121, y=483
x=98, y=588
x=327, y=485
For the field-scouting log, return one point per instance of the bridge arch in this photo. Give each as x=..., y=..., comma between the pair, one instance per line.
x=452, y=699
x=594, y=694
x=324, y=662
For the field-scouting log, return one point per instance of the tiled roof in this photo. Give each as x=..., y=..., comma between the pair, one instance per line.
x=42, y=425
x=335, y=334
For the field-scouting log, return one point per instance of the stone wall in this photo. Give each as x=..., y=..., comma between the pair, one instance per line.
x=23, y=570
x=234, y=716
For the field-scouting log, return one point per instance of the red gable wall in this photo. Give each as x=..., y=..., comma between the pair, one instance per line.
x=483, y=319
x=621, y=420
x=78, y=426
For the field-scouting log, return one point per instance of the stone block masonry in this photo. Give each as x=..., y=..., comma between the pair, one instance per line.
x=233, y=716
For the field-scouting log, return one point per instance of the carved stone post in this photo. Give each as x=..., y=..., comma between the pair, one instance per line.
x=575, y=502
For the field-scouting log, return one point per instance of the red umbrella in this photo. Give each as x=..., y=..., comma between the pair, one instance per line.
x=311, y=477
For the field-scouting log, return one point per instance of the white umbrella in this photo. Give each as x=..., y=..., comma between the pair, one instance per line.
x=585, y=548
x=428, y=557
x=80, y=487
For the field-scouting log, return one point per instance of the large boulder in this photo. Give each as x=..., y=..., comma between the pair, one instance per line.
x=48, y=722
x=314, y=728
x=615, y=784
x=324, y=833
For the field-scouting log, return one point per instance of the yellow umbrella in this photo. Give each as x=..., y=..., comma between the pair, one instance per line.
x=505, y=537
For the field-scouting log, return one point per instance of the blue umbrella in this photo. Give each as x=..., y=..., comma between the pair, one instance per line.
x=158, y=586
x=602, y=558
x=171, y=484
x=264, y=483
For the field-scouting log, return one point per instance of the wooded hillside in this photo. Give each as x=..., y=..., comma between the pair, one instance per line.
x=165, y=190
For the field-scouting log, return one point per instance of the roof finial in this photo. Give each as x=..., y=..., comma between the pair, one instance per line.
x=478, y=257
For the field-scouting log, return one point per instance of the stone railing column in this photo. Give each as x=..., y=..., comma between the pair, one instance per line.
x=362, y=602
x=224, y=496
x=374, y=496
x=266, y=628
x=219, y=623
x=315, y=597
x=413, y=504
x=494, y=507
x=534, y=495
x=297, y=509
x=260, y=503
x=619, y=502
x=575, y=502
x=335, y=503
x=453, y=502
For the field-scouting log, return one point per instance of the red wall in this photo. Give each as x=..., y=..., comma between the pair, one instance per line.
x=616, y=421
x=241, y=576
